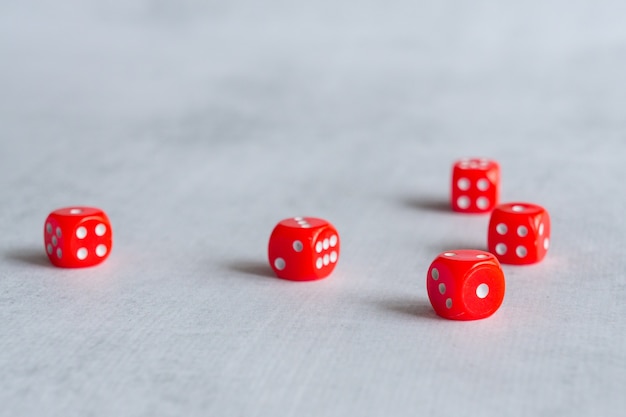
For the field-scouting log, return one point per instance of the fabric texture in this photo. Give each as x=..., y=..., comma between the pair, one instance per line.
x=197, y=126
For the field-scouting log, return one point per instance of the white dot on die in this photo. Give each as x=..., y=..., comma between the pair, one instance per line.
x=297, y=246
x=546, y=243
x=521, y=251
x=59, y=232
x=481, y=256
x=101, y=250
x=541, y=227
x=326, y=259
x=482, y=184
x=319, y=263
x=333, y=256
x=75, y=211
x=442, y=288
x=449, y=303
x=522, y=231
x=298, y=218
x=500, y=248
x=49, y=248
x=318, y=247
x=59, y=253
x=81, y=253
x=517, y=208
x=54, y=241
x=482, y=203
x=482, y=290
x=434, y=273
x=449, y=254
x=463, y=184
x=333, y=241
x=81, y=232
x=326, y=244
x=101, y=229
x=49, y=228
x=279, y=263
x=463, y=202
x=502, y=229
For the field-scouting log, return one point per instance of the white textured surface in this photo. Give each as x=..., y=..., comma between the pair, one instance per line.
x=198, y=125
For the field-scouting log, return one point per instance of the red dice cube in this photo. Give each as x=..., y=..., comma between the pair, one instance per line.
x=303, y=248
x=77, y=237
x=465, y=284
x=475, y=185
x=519, y=233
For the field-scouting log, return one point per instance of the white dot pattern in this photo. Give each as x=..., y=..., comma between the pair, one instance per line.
x=434, y=273
x=482, y=203
x=297, y=246
x=81, y=232
x=482, y=290
x=501, y=248
x=280, y=264
x=546, y=243
x=75, y=211
x=101, y=250
x=501, y=228
x=463, y=202
x=322, y=247
x=101, y=229
x=521, y=251
x=449, y=303
x=482, y=184
x=58, y=232
x=82, y=253
x=463, y=184
x=49, y=228
x=59, y=253
x=49, y=248
x=522, y=231
x=517, y=208
x=442, y=288
x=302, y=222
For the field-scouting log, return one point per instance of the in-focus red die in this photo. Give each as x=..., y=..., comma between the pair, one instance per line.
x=77, y=237
x=303, y=248
x=519, y=233
x=475, y=185
x=465, y=284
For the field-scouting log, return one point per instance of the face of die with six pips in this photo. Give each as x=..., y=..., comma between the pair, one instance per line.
x=303, y=248
x=76, y=237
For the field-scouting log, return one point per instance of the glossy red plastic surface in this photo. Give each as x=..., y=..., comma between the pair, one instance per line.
x=303, y=248
x=76, y=237
x=465, y=284
x=519, y=233
x=475, y=185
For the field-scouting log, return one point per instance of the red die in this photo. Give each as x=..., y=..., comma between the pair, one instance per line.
x=465, y=284
x=75, y=237
x=303, y=248
x=475, y=185
x=519, y=233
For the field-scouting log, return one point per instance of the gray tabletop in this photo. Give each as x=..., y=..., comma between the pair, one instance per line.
x=198, y=125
